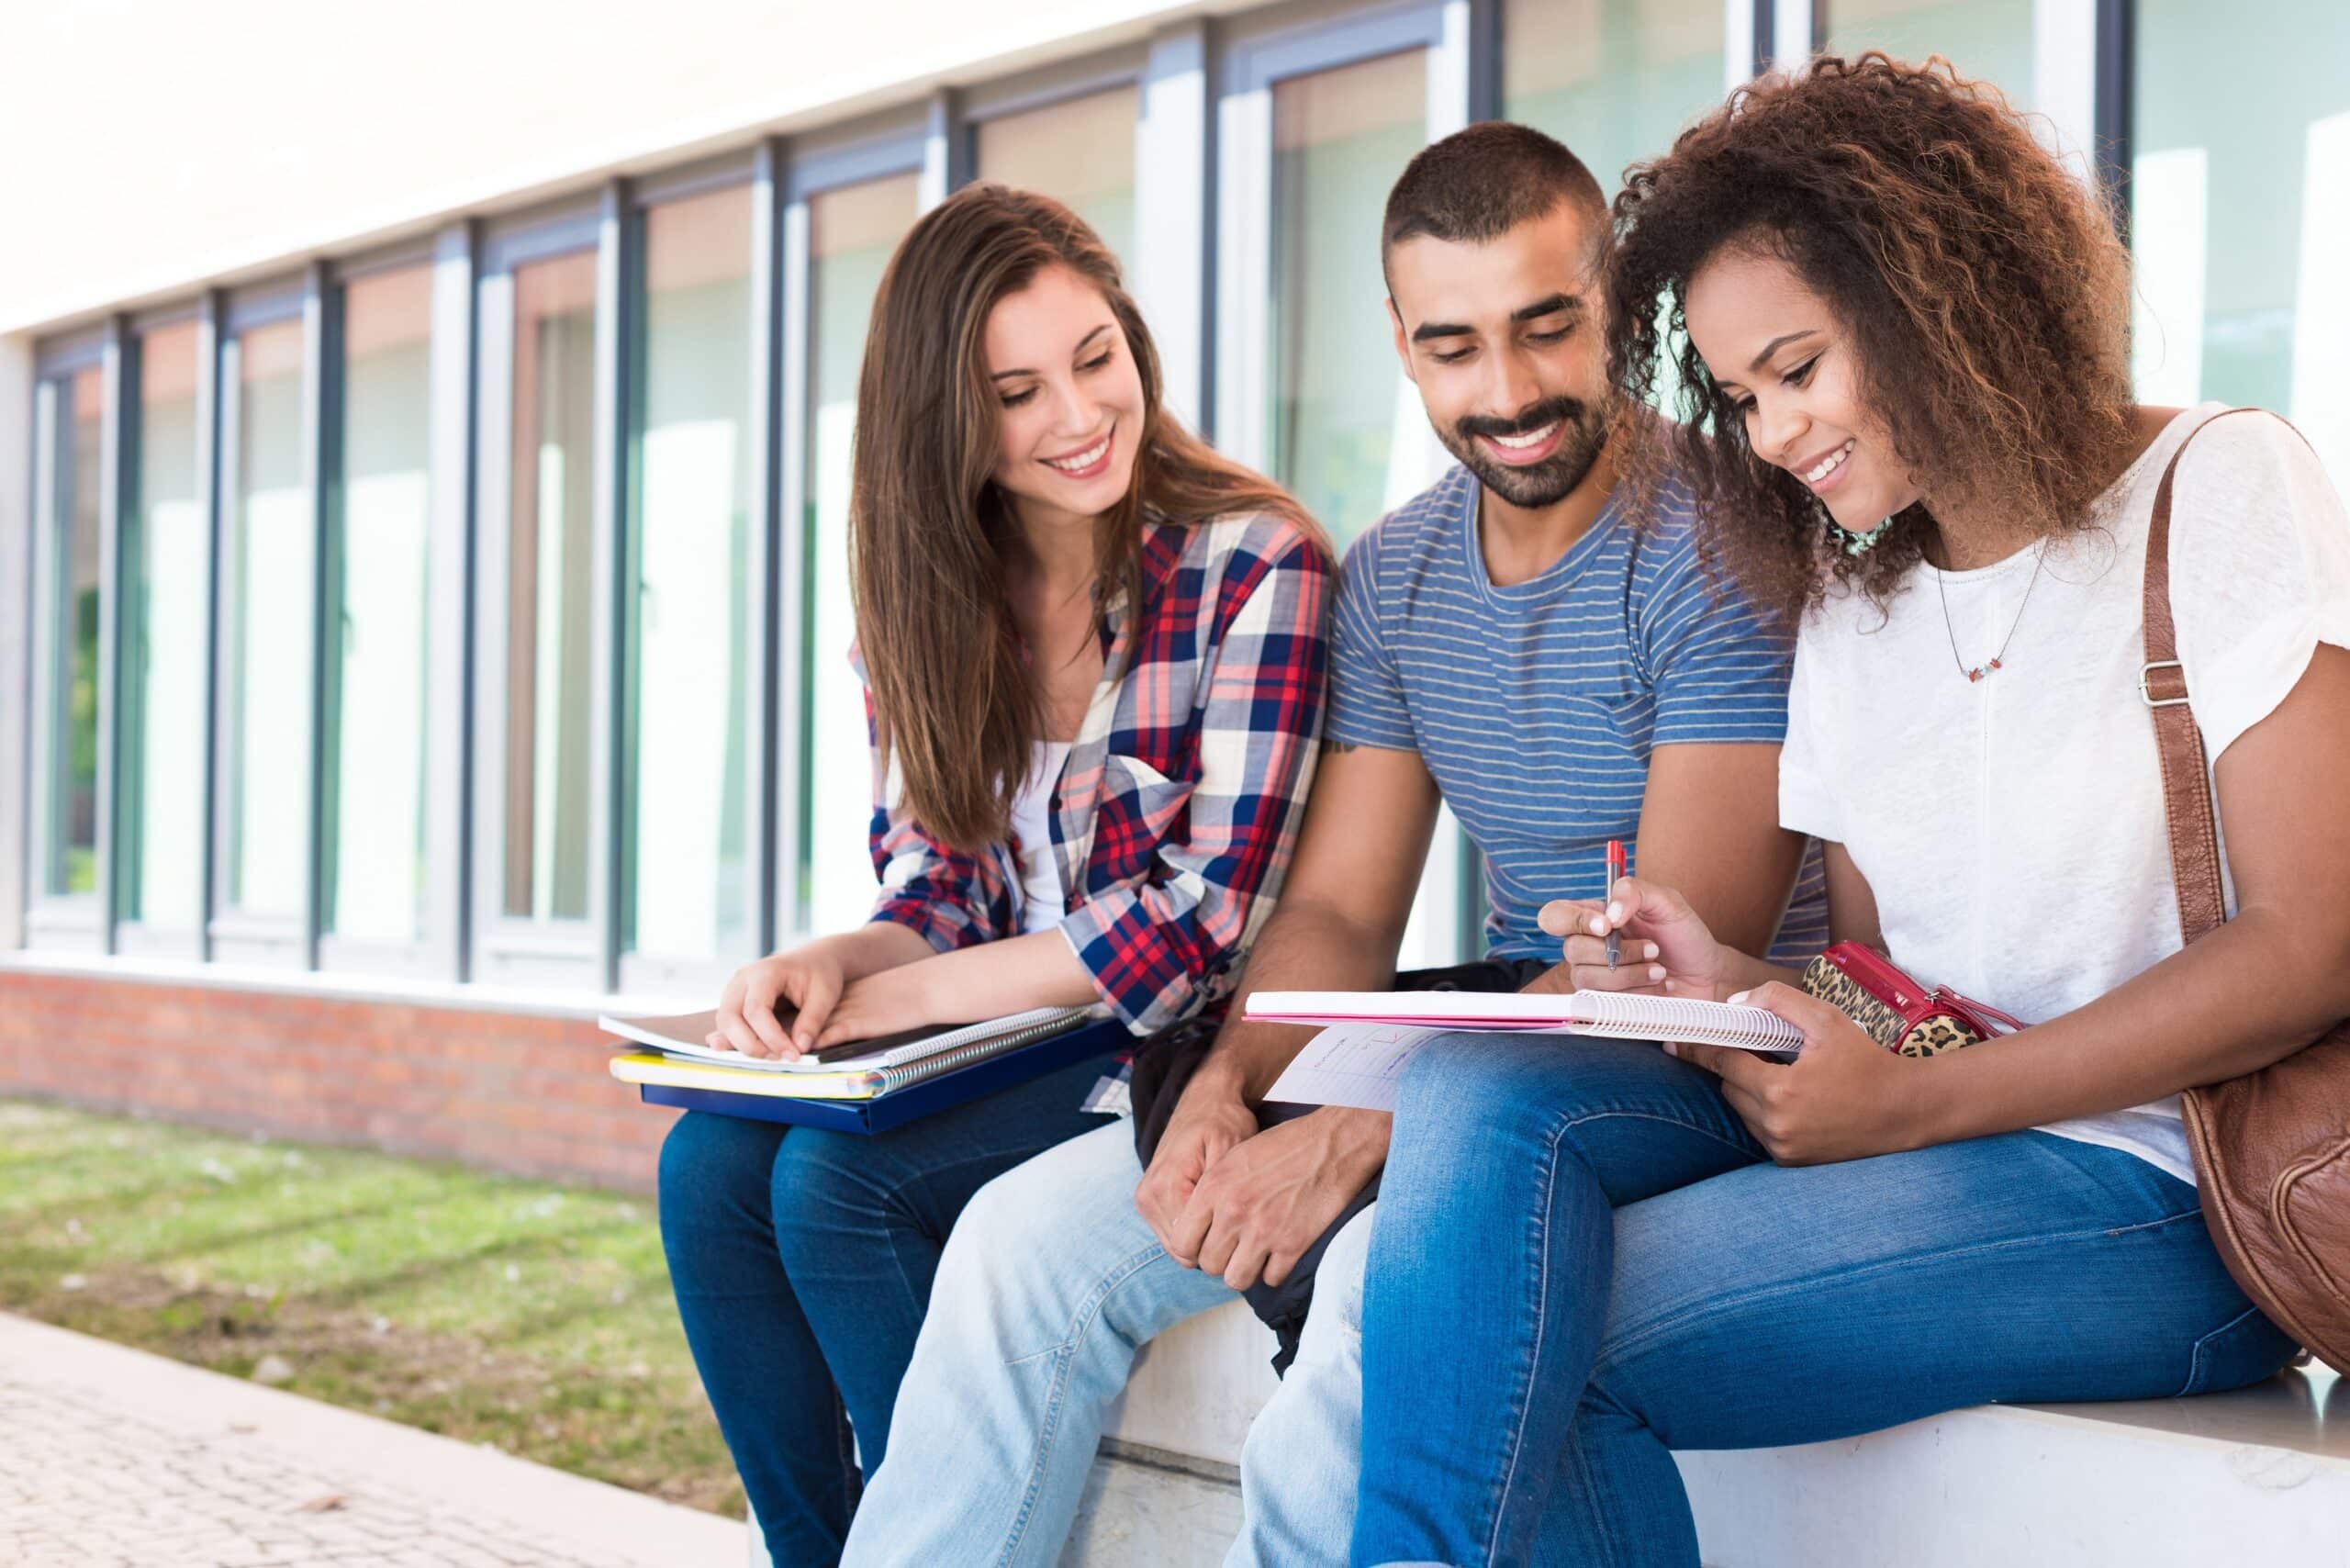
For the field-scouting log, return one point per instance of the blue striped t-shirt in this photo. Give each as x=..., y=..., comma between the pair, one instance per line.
x=1535, y=706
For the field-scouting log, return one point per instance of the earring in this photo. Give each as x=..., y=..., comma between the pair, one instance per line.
x=1858, y=543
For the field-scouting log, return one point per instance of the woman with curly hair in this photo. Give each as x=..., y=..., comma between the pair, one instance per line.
x=1899, y=331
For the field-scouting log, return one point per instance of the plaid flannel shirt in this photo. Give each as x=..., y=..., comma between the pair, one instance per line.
x=1175, y=815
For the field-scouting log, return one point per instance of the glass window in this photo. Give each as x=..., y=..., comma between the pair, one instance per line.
x=266, y=735
x=549, y=581
x=70, y=836
x=687, y=882
x=850, y=235
x=1081, y=152
x=1615, y=79
x=1990, y=41
x=1342, y=411
x=2238, y=217
x=164, y=652
x=375, y=839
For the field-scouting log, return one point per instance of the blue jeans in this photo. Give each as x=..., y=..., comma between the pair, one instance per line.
x=1057, y=1285
x=802, y=1260
x=1582, y=1261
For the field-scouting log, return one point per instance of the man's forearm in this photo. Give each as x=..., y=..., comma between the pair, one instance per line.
x=1306, y=945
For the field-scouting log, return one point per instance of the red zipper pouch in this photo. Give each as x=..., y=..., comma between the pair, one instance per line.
x=1896, y=1011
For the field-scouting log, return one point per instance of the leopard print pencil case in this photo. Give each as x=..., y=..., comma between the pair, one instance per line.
x=1905, y=1017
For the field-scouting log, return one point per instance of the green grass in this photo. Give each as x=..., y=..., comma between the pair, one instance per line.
x=522, y=1314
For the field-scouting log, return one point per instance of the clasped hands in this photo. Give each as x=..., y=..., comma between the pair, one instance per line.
x=1230, y=1200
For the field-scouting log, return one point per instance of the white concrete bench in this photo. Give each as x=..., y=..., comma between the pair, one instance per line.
x=2260, y=1476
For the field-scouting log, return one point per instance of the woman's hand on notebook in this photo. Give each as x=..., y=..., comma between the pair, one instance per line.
x=777, y=1006
x=1666, y=949
x=1843, y=1097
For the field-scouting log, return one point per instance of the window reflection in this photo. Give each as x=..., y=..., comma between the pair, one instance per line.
x=1990, y=41
x=376, y=876
x=266, y=738
x=1080, y=152
x=686, y=874
x=851, y=234
x=2238, y=220
x=70, y=834
x=164, y=654
x=550, y=567
x=1615, y=79
x=1348, y=433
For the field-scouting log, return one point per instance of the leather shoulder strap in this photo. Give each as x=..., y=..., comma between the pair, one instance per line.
x=2187, y=772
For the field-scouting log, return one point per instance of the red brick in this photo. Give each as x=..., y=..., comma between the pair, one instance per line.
x=499, y=1090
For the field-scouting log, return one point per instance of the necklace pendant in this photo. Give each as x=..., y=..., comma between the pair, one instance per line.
x=1975, y=673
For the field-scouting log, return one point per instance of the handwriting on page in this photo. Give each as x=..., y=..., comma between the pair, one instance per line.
x=1351, y=1064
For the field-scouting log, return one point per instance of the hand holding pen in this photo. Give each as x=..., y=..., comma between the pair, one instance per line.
x=1617, y=869
x=1663, y=948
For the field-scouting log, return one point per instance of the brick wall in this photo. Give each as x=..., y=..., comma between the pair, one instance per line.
x=499, y=1090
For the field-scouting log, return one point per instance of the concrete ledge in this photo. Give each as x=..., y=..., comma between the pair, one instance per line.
x=1196, y=1387
x=2259, y=1476
x=1142, y=1507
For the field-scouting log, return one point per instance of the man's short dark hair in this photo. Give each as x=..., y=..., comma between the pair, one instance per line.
x=1483, y=180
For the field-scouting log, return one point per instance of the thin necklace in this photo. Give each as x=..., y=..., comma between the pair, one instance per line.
x=1998, y=659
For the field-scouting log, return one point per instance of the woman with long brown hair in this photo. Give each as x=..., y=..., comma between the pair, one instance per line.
x=1094, y=658
x=1900, y=332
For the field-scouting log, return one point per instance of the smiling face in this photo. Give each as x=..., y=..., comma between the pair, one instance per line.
x=1071, y=406
x=1503, y=340
x=1781, y=357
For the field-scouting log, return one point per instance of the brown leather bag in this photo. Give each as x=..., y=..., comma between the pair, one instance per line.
x=2272, y=1149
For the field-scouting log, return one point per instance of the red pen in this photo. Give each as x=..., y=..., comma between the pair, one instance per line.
x=1617, y=869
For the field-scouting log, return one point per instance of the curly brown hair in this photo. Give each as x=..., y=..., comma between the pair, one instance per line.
x=1984, y=287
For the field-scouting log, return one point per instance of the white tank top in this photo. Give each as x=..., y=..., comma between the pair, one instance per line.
x=1041, y=905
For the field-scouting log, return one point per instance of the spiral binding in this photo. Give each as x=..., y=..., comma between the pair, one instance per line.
x=1683, y=1018
x=884, y=1079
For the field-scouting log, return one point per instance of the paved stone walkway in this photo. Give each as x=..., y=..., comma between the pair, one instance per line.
x=111, y=1456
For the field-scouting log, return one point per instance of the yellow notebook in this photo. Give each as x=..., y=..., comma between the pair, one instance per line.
x=867, y=1080
x=652, y=1067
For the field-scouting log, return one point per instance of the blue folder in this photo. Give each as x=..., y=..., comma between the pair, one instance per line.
x=916, y=1100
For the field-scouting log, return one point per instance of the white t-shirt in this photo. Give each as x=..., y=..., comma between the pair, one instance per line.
x=2012, y=829
x=1041, y=902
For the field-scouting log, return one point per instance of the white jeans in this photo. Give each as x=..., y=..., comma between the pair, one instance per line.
x=1050, y=1283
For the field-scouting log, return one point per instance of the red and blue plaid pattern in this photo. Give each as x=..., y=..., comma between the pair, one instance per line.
x=1175, y=815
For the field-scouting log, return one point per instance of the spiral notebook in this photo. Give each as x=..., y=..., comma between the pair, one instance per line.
x=864, y=1077
x=1372, y=1035
x=1608, y=1014
x=683, y=1036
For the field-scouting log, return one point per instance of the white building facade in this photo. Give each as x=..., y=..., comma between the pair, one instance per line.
x=424, y=433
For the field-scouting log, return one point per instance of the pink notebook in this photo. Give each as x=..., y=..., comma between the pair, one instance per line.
x=1605, y=1013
